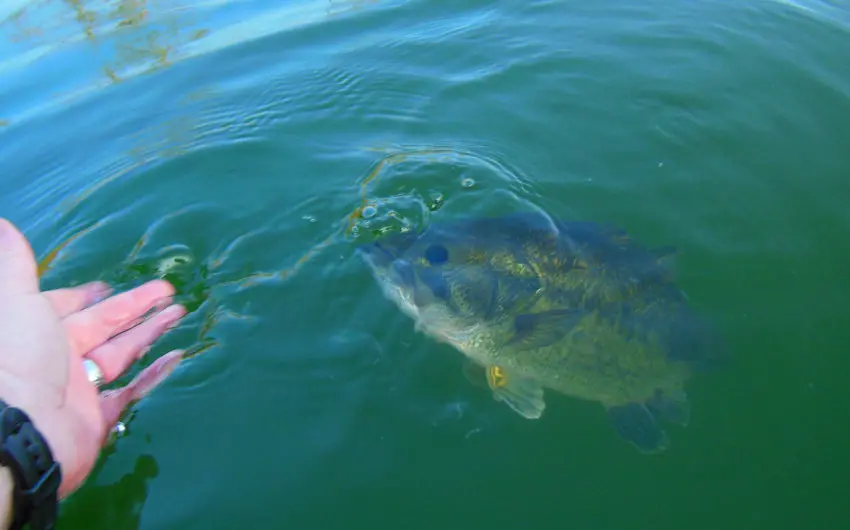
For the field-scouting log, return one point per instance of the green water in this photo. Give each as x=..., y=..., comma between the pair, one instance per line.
x=245, y=137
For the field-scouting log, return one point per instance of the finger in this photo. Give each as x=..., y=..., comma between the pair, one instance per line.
x=91, y=327
x=113, y=402
x=17, y=262
x=73, y=299
x=116, y=355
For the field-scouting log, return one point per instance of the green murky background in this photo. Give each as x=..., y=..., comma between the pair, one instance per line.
x=240, y=141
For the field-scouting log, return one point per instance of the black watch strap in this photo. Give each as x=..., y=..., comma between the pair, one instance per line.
x=37, y=476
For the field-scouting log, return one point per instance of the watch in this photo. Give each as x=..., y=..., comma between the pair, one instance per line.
x=36, y=475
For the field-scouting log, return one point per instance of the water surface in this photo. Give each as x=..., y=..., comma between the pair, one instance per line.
x=244, y=139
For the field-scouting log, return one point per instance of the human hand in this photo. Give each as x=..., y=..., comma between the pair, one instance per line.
x=44, y=337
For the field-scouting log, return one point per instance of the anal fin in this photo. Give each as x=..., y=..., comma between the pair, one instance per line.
x=523, y=395
x=636, y=424
x=671, y=405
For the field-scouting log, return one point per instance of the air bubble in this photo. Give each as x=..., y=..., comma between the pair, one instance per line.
x=369, y=211
x=169, y=263
x=467, y=182
x=436, y=202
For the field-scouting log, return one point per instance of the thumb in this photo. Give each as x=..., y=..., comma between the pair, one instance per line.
x=17, y=262
x=113, y=402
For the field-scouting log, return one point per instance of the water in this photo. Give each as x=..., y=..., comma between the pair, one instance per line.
x=240, y=149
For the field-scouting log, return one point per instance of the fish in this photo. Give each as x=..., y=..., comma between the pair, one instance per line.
x=535, y=303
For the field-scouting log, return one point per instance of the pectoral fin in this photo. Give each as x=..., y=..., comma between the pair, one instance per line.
x=523, y=395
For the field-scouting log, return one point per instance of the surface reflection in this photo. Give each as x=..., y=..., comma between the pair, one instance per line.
x=137, y=36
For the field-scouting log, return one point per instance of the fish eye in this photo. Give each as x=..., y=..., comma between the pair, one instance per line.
x=436, y=254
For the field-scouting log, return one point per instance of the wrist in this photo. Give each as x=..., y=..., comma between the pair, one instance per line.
x=30, y=469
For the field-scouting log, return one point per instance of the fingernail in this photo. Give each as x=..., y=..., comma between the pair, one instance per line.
x=154, y=374
x=174, y=357
x=100, y=291
x=174, y=314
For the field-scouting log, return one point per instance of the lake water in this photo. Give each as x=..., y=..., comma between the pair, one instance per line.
x=240, y=142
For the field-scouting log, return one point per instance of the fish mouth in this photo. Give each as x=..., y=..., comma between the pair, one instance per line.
x=387, y=267
x=400, y=283
x=394, y=276
x=387, y=247
x=377, y=257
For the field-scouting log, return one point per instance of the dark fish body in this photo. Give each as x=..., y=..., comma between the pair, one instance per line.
x=575, y=307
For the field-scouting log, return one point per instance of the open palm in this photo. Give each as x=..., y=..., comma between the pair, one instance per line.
x=44, y=337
